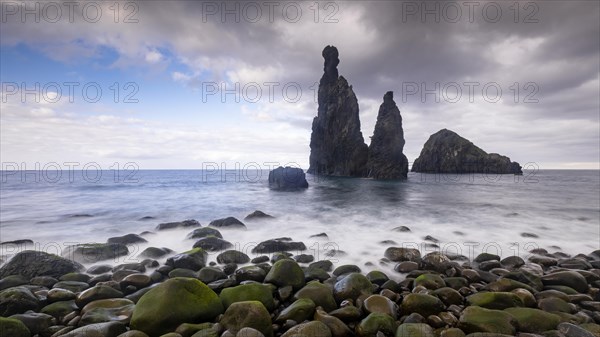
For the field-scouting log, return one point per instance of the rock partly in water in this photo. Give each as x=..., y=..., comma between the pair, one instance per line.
x=213, y=244
x=287, y=178
x=258, y=215
x=337, y=144
x=155, y=253
x=229, y=222
x=194, y=259
x=94, y=252
x=447, y=152
x=232, y=256
x=30, y=264
x=178, y=224
x=386, y=160
x=278, y=245
x=127, y=239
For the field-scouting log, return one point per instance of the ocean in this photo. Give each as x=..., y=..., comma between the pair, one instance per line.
x=467, y=214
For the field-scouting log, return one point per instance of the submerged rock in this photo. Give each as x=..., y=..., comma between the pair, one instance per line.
x=94, y=252
x=154, y=252
x=127, y=239
x=258, y=215
x=213, y=244
x=337, y=146
x=278, y=245
x=177, y=224
x=386, y=160
x=287, y=178
x=229, y=222
x=447, y=152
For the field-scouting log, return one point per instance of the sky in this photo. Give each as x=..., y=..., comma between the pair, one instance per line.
x=187, y=85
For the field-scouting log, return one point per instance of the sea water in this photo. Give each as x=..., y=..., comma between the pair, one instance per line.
x=467, y=213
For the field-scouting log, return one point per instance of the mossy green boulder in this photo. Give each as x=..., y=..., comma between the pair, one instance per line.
x=13, y=328
x=506, y=284
x=478, y=319
x=17, y=300
x=422, y=304
x=375, y=322
x=495, y=300
x=320, y=294
x=175, y=301
x=248, y=292
x=298, y=311
x=430, y=281
x=351, y=287
x=286, y=273
x=534, y=320
x=456, y=282
x=248, y=314
x=414, y=330
x=449, y=296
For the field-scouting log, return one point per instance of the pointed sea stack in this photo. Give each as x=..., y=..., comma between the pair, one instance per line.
x=386, y=160
x=447, y=152
x=337, y=146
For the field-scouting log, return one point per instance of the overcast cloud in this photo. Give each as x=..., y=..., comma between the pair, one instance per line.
x=550, y=49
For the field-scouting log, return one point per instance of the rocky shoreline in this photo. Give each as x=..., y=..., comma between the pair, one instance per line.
x=283, y=291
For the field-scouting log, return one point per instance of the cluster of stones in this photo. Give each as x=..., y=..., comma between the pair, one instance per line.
x=282, y=294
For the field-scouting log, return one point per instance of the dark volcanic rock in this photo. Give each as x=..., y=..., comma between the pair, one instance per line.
x=229, y=222
x=287, y=178
x=386, y=160
x=212, y=244
x=31, y=264
x=337, y=145
x=127, y=239
x=177, y=224
x=278, y=245
x=94, y=252
x=154, y=252
x=447, y=152
x=22, y=242
x=204, y=232
x=258, y=215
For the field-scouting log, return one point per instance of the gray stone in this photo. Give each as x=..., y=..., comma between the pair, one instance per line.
x=386, y=160
x=447, y=152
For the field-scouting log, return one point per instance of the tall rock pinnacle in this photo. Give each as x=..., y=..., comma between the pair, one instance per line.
x=386, y=160
x=337, y=146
